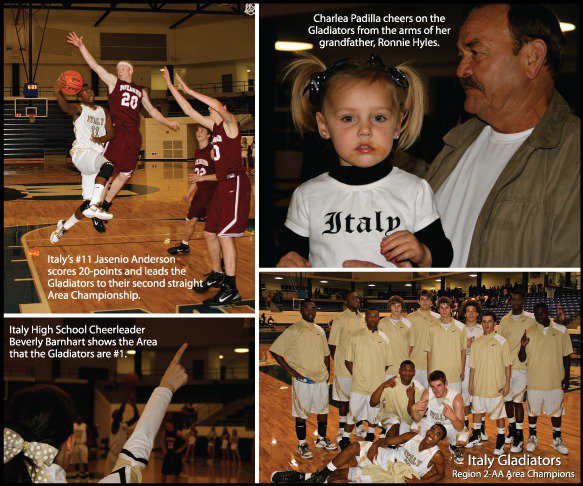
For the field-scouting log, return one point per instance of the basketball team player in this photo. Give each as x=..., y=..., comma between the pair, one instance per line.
x=345, y=325
x=302, y=351
x=468, y=314
x=367, y=360
x=489, y=381
x=446, y=345
x=202, y=191
x=512, y=327
x=398, y=329
x=93, y=129
x=229, y=210
x=422, y=319
x=547, y=348
x=441, y=404
x=80, y=455
x=124, y=99
x=393, y=398
x=383, y=461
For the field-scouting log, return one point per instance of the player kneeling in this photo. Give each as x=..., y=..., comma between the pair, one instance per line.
x=417, y=458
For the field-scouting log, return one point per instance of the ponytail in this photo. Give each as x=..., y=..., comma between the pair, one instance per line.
x=413, y=107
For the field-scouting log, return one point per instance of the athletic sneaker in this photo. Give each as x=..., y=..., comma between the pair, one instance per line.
x=560, y=446
x=59, y=232
x=339, y=436
x=344, y=443
x=318, y=477
x=532, y=443
x=182, y=248
x=475, y=440
x=98, y=225
x=510, y=436
x=483, y=434
x=304, y=451
x=226, y=296
x=457, y=455
x=288, y=476
x=97, y=212
x=499, y=450
x=360, y=432
x=518, y=441
x=327, y=444
x=213, y=279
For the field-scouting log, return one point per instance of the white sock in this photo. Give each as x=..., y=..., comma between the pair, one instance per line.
x=519, y=425
x=331, y=466
x=511, y=420
x=185, y=242
x=477, y=425
x=301, y=442
x=501, y=430
x=307, y=476
x=345, y=434
x=97, y=192
x=72, y=221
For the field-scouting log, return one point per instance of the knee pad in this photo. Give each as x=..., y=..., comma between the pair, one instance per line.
x=106, y=170
x=126, y=175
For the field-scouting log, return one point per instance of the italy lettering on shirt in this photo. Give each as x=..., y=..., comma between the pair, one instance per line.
x=95, y=120
x=439, y=417
x=410, y=459
x=336, y=222
x=127, y=87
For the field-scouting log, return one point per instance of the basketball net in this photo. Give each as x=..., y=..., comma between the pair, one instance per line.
x=250, y=8
x=31, y=117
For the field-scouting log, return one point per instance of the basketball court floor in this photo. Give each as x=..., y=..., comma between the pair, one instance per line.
x=278, y=442
x=148, y=219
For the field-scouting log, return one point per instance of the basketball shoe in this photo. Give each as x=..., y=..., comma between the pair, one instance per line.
x=182, y=248
x=213, y=279
x=304, y=451
x=560, y=446
x=98, y=225
x=59, y=232
x=97, y=212
x=288, y=476
x=326, y=443
x=226, y=296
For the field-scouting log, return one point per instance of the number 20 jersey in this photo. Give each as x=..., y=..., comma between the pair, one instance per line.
x=124, y=104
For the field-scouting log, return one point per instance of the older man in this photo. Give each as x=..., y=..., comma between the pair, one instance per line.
x=510, y=176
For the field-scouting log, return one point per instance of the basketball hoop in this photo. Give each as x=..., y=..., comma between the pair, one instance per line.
x=250, y=8
x=31, y=117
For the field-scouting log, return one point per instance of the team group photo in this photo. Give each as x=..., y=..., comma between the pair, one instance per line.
x=129, y=150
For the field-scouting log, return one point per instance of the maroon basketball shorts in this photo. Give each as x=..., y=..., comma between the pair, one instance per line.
x=201, y=201
x=229, y=211
x=123, y=151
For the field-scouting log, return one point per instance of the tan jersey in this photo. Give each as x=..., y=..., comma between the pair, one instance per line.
x=418, y=460
x=490, y=357
x=513, y=330
x=395, y=400
x=544, y=354
x=369, y=353
x=399, y=335
x=304, y=347
x=445, y=347
x=344, y=326
x=421, y=321
x=472, y=332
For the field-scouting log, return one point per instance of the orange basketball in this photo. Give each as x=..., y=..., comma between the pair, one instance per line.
x=74, y=82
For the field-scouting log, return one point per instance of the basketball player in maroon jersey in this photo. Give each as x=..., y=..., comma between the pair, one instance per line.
x=124, y=99
x=203, y=190
x=229, y=209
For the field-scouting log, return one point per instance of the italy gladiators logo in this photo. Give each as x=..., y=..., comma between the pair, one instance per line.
x=337, y=222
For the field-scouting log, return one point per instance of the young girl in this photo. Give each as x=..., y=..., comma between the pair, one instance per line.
x=39, y=438
x=235, y=457
x=225, y=439
x=365, y=211
x=211, y=442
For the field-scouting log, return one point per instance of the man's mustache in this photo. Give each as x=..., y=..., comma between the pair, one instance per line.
x=470, y=82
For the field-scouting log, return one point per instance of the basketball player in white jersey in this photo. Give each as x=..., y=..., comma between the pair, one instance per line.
x=441, y=405
x=93, y=129
x=80, y=455
x=369, y=462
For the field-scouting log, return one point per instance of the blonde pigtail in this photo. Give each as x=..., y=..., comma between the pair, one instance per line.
x=414, y=107
x=301, y=72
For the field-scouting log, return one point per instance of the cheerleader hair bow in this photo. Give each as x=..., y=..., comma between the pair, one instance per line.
x=41, y=455
x=394, y=73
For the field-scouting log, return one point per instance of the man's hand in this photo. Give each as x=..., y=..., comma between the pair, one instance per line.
x=448, y=412
x=469, y=342
x=401, y=246
x=359, y=264
x=411, y=392
x=505, y=390
x=72, y=38
x=175, y=375
x=293, y=259
x=421, y=406
x=373, y=451
x=174, y=126
x=471, y=389
x=463, y=375
x=195, y=178
x=524, y=340
x=391, y=383
x=294, y=374
x=183, y=86
x=60, y=84
x=565, y=383
x=186, y=198
x=166, y=75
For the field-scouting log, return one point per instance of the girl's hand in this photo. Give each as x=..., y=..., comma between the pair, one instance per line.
x=186, y=198
x=359, y=264
x=401, y=246
x=293, y=260
x=72, y=38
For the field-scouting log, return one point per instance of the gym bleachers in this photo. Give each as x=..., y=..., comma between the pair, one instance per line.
x=569, y=300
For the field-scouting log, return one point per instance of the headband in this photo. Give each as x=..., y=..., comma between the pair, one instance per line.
x=317, y=84
x=124, y=63
x=42, y=455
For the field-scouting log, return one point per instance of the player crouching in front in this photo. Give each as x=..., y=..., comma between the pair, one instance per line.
x=418, y=459
x=93, y=129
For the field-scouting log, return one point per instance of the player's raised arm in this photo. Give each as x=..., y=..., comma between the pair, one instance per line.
x=212, y=103
x=156, y=115
x=107, y=78
x=69, y=108
x=205, y=121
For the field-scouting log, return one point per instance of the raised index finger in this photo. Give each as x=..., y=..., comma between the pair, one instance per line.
x=179, y=353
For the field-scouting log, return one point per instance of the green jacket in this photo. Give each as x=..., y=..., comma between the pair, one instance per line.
x=531, y=217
